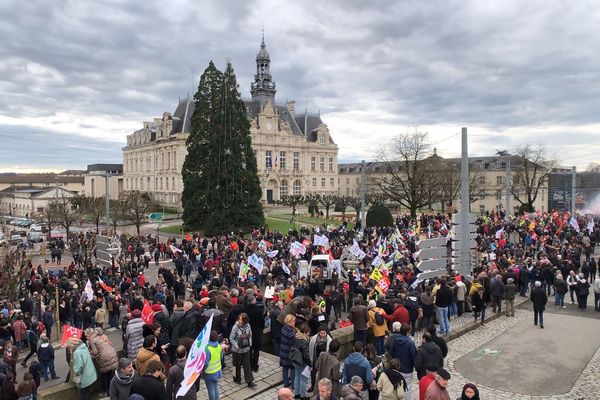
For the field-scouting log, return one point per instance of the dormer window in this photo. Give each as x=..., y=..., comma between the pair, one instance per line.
x=322, y=137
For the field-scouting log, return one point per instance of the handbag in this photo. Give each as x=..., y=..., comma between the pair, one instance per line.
x=296, y=356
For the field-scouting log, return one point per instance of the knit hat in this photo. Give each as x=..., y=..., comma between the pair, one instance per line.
x=156, y=307
x=372, y=304
x=442, y=373
x=136, y=314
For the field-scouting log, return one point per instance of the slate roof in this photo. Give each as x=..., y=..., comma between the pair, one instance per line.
x=39, y=178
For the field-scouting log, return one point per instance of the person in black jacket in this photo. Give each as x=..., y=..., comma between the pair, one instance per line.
x=539, y=298
x=150, y=386
x=427, y=355
x=443, y=300
x=438, y=340
x=256, y=315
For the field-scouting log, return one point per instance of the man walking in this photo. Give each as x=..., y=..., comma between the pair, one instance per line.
x=443, y=299
x=402, y=347
x=360, y=318
x=539, y=298
x=498, y=290
x=510, y=293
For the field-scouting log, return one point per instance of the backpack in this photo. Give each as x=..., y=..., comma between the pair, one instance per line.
x=379, y=320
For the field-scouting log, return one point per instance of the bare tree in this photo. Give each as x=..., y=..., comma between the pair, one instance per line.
x=292, y=200
x=138, y=204
x=341, y=203
x=328, y=201
x=593, y=167
x=66, y=213
x=92, y=208
x=531, y=175
x=312, y=201
x=118, y=212
x=356, y=203
x=407, y=171
x=49, y=217
x=449, y=181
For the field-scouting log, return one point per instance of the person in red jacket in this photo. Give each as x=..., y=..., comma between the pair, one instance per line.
x=425, y=381
x=400, y=314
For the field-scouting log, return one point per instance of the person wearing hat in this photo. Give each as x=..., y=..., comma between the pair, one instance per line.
x=354, y=389
x=509, y=295
x=438, y=389
x=380, y=330
x=424, y=382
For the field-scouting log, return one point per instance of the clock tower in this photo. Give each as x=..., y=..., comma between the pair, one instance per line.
x=263, y=87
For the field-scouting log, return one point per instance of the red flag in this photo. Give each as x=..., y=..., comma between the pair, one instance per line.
x=330, y=255
x=68, y=333
x=188, y=237
x=104, y=285
x=147, y=314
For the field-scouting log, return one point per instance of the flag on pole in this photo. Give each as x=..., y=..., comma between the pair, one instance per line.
x=499, y=233
x=68, y=333
x=256, y=262
x=89, y=291
x=243, y=271
x=285, y=268
x=574, y=224
x=104, y=285
x=195, y=360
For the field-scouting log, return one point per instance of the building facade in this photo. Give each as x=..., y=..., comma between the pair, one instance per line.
x=95, y=180
x=71, y=180
x=489, y=190
x=294, y=151
x=30, y=202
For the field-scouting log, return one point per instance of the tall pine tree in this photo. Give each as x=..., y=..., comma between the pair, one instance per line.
x=221, y=187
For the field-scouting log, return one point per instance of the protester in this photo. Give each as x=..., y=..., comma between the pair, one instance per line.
x=104, y=354
x=213, y=366
x=539, y=299
x=45, y=355
x=26, y=390
x=325, y=388
x=426, y=380
x=391, y=383
x=317, y=344
x=379, y=326
x=357, y=365
x=175, y=377
x=360, y=318
x=84, y=371
x=438, y=389
x=401, y=347
x=301, y=360
x=354, y=389
x=241, y=342
x=146, y=354
x=120, y=385
x=328, y=367
x=469, y=392
x=428, y=354
x=150, y=385
x=288, y=336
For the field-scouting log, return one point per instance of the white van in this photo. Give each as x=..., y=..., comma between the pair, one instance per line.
x=36, y=237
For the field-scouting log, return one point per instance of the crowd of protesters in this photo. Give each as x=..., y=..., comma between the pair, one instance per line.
x=540, y=254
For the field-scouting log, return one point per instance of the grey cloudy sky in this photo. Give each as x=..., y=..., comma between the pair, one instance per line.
x=77, y=76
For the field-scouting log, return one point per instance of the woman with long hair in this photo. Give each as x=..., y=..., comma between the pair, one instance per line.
x=241, y=342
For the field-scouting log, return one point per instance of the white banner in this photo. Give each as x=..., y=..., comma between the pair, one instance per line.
x=256, y=262
x=195, y=360
x=272, y=254
x=297, y=248
x=321, y=241
x=89, y=291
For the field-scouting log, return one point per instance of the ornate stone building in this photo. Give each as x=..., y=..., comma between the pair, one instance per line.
x=294, y=151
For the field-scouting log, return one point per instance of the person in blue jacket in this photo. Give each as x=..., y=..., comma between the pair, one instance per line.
x=357, y=365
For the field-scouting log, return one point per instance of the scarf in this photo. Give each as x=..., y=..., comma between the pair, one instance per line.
x=395, y=378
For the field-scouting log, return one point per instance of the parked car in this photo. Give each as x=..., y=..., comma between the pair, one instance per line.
x=36, y=237
x=39, y=228
x=16, y=239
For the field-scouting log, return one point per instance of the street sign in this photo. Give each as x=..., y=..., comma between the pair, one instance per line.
x=434, y=263
x=105, y=250
x=428, y=243
x=472, y=218
x=435, y=252
x=431, y=274
x=155, y=216
x=456, y=244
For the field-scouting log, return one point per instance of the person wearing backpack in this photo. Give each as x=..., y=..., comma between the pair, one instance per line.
x=379, y=325
x=241, y=341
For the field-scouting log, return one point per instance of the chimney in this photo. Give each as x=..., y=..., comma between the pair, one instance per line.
x=291, y=106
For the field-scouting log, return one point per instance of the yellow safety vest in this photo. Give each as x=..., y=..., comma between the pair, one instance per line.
x=215, y=359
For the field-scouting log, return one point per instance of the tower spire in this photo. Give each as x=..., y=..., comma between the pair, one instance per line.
x=263, y=87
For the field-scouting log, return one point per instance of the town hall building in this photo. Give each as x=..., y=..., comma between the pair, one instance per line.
x=295, y=152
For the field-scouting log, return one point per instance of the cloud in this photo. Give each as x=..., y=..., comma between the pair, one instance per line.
x=513, y=72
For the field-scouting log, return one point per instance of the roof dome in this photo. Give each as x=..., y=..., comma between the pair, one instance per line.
x=263, y=53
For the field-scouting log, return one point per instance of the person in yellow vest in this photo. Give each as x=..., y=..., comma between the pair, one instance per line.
x=212, y=366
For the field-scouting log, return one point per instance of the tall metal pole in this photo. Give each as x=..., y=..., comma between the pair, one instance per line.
x=507, y=185
x=106, y=203
x=363, y=214
x=465, y=205
x=573, y=184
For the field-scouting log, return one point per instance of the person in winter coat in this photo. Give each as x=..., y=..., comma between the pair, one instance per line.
x=572, y=280
x=357, y=365
x=360, y=318
x=104, y=354
x=596, y=286
x=328, y=366
x=317, y=344
x=438, y=389
x=150, y=386
x=391, y=384
x=426, y=301
x=498, y=290
x=539, y=298
x=84, y=371
x=175, y=377
x=478, y=303
x=120, y=385
x=438, y=340
x=146, y=354
x=510, y=294
x=20, y=331
x=256, y=317
x=241, y=342
x=7, y=388
x=301, y=360
x=560, y=289
x=380, y=330
x=428, y=354
x=134, y=334
x=354, y=389
x=443, y=300
x=288, y=336
x=582, y=289
x=402, y=348
x=26, y=390
x=45, y=355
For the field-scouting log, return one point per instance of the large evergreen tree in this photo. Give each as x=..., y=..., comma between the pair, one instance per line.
x=221, y=187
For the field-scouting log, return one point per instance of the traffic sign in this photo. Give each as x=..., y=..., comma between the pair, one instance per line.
x=428, y=243
x=472, y=218
x=155, y=216
x=431, y=274
x=434, y=263
x=435, y=252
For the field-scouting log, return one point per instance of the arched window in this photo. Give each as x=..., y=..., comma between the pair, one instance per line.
x=283, y=188
x=297, y=187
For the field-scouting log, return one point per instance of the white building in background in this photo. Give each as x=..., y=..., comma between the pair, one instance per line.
x=295, y=152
